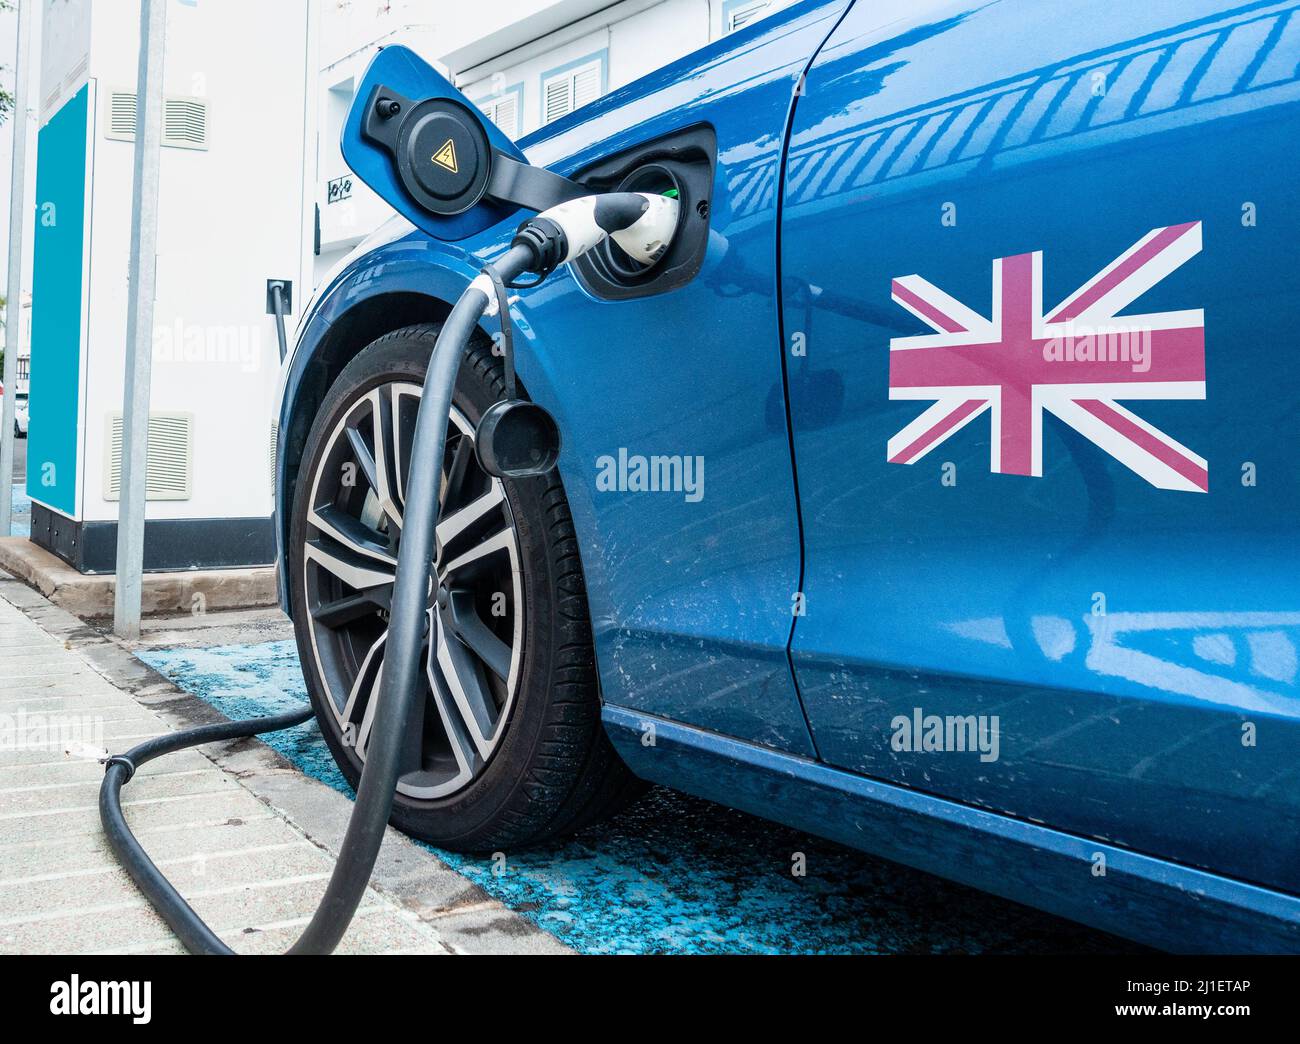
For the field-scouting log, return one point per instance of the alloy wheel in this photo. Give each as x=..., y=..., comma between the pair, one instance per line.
x=473, y=645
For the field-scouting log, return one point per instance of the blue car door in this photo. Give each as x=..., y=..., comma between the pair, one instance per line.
x=689, y=589
x=1039, y=297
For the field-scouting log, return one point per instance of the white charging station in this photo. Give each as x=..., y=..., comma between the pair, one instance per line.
x=231, y=220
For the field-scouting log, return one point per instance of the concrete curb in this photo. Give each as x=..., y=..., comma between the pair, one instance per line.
x=90, y=596
x=465, y=918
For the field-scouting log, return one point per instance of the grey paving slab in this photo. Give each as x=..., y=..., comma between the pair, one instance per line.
x=248, y=839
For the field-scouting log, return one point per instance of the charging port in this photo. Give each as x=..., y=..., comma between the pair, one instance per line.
x=656, y=180
x=680, y=165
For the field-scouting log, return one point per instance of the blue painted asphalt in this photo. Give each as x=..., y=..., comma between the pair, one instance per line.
x=673, y=874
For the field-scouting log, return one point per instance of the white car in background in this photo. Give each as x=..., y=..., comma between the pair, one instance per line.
x=20, y=412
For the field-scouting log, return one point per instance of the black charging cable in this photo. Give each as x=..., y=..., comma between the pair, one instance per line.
x=401, y=684
x=540, y=245
x=507, y=327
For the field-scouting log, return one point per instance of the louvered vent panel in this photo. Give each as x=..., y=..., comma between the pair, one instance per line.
x=185, y=123
x=121, y=115
x=586, y=85
x=745, y=15
x=275, y=448
x=558, y=98
x=167, y=477
x=504, y=112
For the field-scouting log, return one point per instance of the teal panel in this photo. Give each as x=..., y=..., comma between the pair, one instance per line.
x=56, y=306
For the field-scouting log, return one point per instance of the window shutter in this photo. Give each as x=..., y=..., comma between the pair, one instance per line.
x=559, y=100
x=504, y=112
x=571, y=90
x=273, y=451
x=586, y=85
x=744, y=15
x=507, y=115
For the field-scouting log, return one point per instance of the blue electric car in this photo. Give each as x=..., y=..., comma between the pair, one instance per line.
x=937, y=490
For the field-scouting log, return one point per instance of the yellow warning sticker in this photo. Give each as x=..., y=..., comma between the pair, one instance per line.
x=446, y=156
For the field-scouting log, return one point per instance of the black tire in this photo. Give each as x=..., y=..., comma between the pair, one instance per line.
x=553, y=769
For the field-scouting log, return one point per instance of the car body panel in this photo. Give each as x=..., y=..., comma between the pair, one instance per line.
x=1137, y=644
x=1139, y=897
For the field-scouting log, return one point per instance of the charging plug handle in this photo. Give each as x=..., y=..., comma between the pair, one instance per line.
x=642, y=223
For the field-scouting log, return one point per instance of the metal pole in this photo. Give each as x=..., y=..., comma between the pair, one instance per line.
x=139, y=319
x=14, y=294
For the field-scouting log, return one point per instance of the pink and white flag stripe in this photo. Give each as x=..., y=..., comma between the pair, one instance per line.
x=1006, y=365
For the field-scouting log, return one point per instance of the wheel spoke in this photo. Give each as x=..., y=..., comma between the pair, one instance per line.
x=465, y=623
x=370, y=666
x=368, y=715
x=454, y=478
x=365, y=459
x=385, y=484
x=463, y=748
x=468, y=691
x=409, y=756
x=342, y=611
x=501, y=541
x=403, y=436
x=351, y=532
x=357, y=575
x=458, y=521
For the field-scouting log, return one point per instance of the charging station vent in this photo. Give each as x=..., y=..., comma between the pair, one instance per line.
x=121, y=115
x=185, y=120
x=185, y=123
x=171, y=444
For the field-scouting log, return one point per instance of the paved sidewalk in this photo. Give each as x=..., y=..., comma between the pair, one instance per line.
x=247, y=839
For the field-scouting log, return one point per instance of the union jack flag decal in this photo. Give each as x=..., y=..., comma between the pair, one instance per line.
x=1074, y=361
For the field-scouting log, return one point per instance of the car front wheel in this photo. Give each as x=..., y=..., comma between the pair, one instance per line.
x=508, y=748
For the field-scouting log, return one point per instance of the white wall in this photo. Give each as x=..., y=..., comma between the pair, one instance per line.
x=645, y=42
x=229, y=218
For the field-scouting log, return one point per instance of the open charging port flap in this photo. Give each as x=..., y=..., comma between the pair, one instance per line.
x=681, y=164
